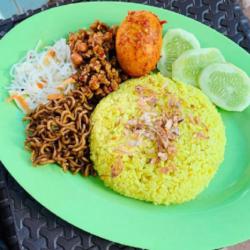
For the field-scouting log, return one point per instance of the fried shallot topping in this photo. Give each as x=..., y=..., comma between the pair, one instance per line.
x=163, y=129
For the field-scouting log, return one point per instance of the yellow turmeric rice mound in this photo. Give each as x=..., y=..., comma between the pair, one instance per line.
x=157, y=140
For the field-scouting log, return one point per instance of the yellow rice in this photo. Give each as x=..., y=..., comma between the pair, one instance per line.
x=196, y=160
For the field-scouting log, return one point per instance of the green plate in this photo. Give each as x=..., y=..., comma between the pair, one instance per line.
x=219, y=216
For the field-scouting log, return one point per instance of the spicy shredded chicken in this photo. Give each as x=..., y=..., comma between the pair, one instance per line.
x=93, y=54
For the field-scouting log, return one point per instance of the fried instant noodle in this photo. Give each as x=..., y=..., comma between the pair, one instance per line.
x=58, y=132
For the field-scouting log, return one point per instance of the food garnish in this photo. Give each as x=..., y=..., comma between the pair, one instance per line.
x=226, y=85
x=116, y=168
x=189, y=65
x=161, y=129
x=175, y=42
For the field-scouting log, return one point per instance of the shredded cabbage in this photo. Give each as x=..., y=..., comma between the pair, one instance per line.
x=41, y=74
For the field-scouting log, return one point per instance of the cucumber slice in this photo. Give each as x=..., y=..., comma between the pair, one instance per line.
x=188, y=66
x=175, y=42
x=226, y=85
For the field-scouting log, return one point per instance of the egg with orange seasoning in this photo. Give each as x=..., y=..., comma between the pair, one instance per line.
x=138, y=43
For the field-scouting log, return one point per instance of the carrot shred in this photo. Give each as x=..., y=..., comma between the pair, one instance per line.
x=21, y=101
x=46, y=60
x=54, y=96
x=51, y=53
x=69, y=80
x=40, y=85
x=61, y=88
